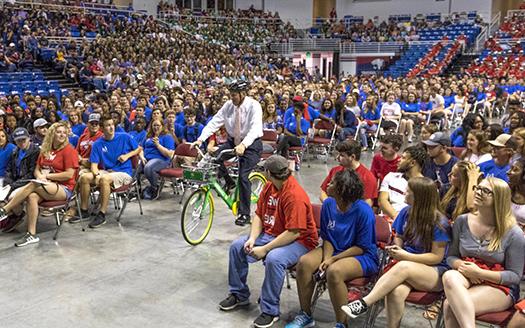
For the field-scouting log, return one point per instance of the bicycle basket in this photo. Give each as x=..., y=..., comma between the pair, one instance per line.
x=199, y=174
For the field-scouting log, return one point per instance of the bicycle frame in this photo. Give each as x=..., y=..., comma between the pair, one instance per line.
x=229, y=200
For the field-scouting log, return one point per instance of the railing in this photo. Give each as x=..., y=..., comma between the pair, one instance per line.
x=513, y=12
x=83, y=8
x=255, y=20
x=371, y=47
x=487, y=31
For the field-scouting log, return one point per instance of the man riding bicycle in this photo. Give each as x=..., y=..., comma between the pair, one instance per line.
x=242, y=118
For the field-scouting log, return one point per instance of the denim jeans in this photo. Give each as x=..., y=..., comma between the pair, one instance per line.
x=151, y=171
x=276, y=262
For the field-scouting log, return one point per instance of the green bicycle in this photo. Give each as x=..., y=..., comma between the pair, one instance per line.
x=198, y=211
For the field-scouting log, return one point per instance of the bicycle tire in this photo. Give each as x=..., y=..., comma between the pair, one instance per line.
x=258, y=180
x=188, y=224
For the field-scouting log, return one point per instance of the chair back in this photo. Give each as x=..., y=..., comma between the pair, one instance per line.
x=457, y=151
x=269, y=135
x=317, y=214
x=323, y=125
x=184, y=149
x=383, y=231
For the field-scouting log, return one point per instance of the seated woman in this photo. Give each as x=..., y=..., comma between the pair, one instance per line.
x=77, y=126
x=470, y=122
x=327, y=116
x=271, y=121
x=391, y=113
x=348, y=250
x=56, y=169
x=419, y=253
x=478, y=149
x=295, y=131
x=519, y=135
x=371, y=114
x=157, y=151
x=411, y=115
x=346, y=121
x=486, y=257
x=516, y=176
x=459, y=199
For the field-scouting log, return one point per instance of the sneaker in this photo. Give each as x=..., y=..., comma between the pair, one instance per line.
x=76, y=219
x=265, y=320
x=340, y=325
x=242, y=220
x=27, y=239
x=98, y=220
x=301, y=320
x=3, y=214
x=355, y=308
x=13, y=222
x=231, y=302
x=148, y=194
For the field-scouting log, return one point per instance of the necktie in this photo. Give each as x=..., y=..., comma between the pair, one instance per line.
x=237, y=132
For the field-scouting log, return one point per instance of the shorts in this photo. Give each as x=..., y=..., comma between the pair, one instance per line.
x=388, y=124
x=119, y=178
x=68, y=192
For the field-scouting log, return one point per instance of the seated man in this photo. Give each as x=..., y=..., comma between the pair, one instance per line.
x=283, y=229
x=387, y=159
x=114, y=152
x=20, y=168
x=503, y=148
x=349, y=153
x=394, y=186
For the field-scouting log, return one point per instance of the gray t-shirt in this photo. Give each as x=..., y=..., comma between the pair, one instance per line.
x=510, y=256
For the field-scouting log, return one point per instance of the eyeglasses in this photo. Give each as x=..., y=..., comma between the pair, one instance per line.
x=484, y=191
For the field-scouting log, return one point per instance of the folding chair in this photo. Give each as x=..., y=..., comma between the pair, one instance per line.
x=294, y=152
x=322, y=143
x=175, y=173
x=269, y=138
x=498, y=319
x=59, y=208
x=121, y=196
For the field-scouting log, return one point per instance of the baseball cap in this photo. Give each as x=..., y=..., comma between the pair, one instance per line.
x=504, y=140
x=297, y=99
x=40, y=122
x=438, y=138
x=94, y=117
x=79, y=103
x=276, y=164
x=20, y=133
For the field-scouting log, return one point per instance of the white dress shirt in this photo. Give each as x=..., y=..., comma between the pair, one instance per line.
x=251, y=121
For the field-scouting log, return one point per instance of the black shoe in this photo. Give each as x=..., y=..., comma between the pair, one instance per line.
x=231, y=302
x=355, y=308
x=99, y=220
x=242, y=220
x=76, y=219
x=13, y=221
x=265, y=320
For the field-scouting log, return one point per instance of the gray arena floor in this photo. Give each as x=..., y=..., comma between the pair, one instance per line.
x=141, y=273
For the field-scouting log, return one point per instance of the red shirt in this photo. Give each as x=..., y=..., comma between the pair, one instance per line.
x=59, y=161
x=288, y=209
x=381, y=167
x=85, y=142
x=367, y=178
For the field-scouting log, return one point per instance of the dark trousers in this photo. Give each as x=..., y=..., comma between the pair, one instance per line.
x=285, y=143
x=247, y=162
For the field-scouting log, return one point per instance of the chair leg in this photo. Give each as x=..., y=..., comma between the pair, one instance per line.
x=59, y=224
x=79, y=212
x=320, y=287
x=122, y=207
x=161, y=186
x=288, y=280
x=138, y=199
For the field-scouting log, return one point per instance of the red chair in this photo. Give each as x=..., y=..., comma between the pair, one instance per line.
x=58, y=208
x=175, y=173
x=122, y=195
x=457, y=151
x=322, y=145
x=500, y=319
x=270, y=138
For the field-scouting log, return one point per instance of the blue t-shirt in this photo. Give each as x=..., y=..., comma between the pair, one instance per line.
x=439, y=173
x=147, y=113
x=138, y=136
x=5, y=155
x=490, y=169
x=190, y=133
x=73, y=140
x=448, y=100
x=291, y=126
x=355, y=227
x=151, y=151
x=78, y=129
x=372, y=116
x=441, y=234
x=179, y=119
x=314, y=113
x=410, y=107
x=456, y=138
x=107, y=152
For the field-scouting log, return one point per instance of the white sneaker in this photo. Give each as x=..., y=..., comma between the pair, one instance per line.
x=27, y=239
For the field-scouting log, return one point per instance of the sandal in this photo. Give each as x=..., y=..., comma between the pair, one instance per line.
x=433, y=310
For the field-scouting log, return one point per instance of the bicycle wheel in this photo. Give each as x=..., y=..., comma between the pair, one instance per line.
x=258, y=181
x=197, y=216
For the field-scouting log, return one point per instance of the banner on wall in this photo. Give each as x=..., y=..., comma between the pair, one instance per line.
x=372, y=64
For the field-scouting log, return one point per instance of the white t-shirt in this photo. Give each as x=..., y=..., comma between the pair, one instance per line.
x=396, y=185
x=437, y=101
x=478, y=159
x=392, y=109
